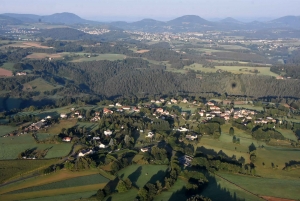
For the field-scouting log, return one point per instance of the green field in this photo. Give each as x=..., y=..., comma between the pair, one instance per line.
x=110, y=57
x=250, y=107
x=282, y=188
x=232, y=69
x=219, y=189
x=56, y=129
x=13, y=168
x=66, y=197
x=7, y=129
x=140, y=175
x=289, y=134
x=129, y=195
x=74, y=182
x=176, y=192
x=39, y=84
x=11, y=147
x=233, y=47
x=88, y=125
x=8, y=66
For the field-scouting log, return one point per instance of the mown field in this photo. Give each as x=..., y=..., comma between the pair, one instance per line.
x=66, y=197
x=11, y=147
x=56, y=128
x=219, y=189
x=39, y=84
x=282, y=188
x=62, y=184
x=140, y=175
x=15, y=168
x=176, y=192
x=110, y=57
x=8, y=66
x=6, y=129
x=129, y=195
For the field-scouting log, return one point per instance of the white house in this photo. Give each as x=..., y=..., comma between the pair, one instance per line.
x=150, y=134
x=118, y=105
x=181, y=129
x=191, y=137
x=48, y=117
x=102, y=146
x=67, y=139
x=63, y=115
x=96, y=138
x=144, y=149
x=85, y=152
x=107, y=132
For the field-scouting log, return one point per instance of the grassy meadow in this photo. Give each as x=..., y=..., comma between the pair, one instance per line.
x=11, y=147
x=16, y=168
x=39, y=84
x=140, y=175
x=7, y=129
x=110, y=57
x=175, y=193
x=129, y=195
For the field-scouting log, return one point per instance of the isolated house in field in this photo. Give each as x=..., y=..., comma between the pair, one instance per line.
x=108, y=132
x=67, y=139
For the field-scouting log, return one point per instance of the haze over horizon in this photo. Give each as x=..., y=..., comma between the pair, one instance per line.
x=133, y=10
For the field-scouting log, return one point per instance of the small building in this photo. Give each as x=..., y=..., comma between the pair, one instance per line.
x=85, y=152
x=159, y=110
x=67, y=139
x=102, y=146
x=126, y=108
x=144, y=149
x=118, y=105
x=210, y=104
x=63, y=115
x=150, y=135
x=108, y=132
x=181, y=129
x=191, y=137
x=107, y=111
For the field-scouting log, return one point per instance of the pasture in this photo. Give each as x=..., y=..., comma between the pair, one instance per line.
x=38, y=84
x=52, y=192
x=140, y=175
x=129, y=195
x=7, y=129
x=46, y=179
x=27, y=45
x=66, y=183
x=56, y=128
x=8, y=66
x=282, y=188
x=233, y=69
x=5, y=73
x=43, y=56
x=11, y=147
x=220, y=189
x=110, y=57
x=233, y=47
x=90, y=126
x=176, y=192
x=16, y=168
x=289, y=134
x=67, y=197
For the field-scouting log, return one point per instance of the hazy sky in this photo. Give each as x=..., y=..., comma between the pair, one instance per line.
x=108, y=10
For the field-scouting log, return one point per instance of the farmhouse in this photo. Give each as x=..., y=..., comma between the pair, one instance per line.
x=107, y=111
x=85, y=152
x=67, y=139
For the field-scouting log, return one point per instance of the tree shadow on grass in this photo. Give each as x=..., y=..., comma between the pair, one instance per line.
x=135, y=176
x=159, y=176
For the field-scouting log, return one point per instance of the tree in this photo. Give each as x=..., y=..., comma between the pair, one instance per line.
x=128, y=183
x=121, y=187
x=143, y=194
x=100, y=195
x=231, y=131
x=159, y=186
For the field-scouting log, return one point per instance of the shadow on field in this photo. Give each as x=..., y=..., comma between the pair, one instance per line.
x=204, y=152
x=135, y=175
x=159, y=176
x=212, y=190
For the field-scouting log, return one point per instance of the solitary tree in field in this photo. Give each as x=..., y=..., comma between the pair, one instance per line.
x=231, y=131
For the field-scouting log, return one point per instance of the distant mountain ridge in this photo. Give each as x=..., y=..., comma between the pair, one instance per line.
x=180, y=24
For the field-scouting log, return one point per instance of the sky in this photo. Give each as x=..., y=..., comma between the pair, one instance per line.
x=131, y=10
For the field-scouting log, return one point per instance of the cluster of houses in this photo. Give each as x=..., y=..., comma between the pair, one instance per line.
x=265, y=121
